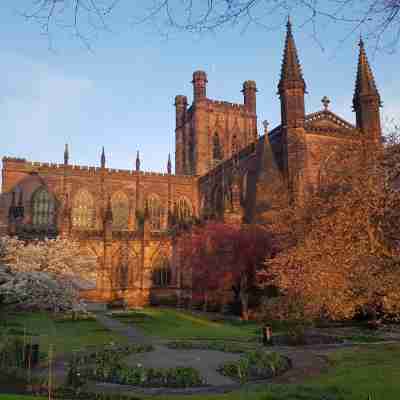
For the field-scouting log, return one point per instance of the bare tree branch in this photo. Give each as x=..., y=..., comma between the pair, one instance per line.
x=379, y=19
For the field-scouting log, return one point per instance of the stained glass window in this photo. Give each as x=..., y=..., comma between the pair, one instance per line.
x=83, y=210
x=155, y=212
x=120, y=210
x=184, y=209
x=43, y=208
x=162, y=272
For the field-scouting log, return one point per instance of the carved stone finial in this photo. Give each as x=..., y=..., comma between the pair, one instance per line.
x=137, y=161
x=325, y=101
x=103, y=158
x=265, y=125
x=66, y=154
x=169, y=164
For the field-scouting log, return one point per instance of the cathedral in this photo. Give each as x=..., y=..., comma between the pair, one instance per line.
x=224, y=170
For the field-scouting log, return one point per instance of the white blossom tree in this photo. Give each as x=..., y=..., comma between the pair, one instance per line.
x=44, y=275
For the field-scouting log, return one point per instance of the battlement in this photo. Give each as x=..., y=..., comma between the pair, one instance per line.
x=85, y=170
x=226, y=105
x=13, y=159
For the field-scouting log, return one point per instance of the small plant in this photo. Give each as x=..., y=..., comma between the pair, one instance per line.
x=256, y=365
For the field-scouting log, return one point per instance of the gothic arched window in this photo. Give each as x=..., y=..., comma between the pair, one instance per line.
x=161, y=272
x=83, y=210
x=120, y=210
x=183, y=209
x=217, y=149
x=155, y=211
x=43, y=208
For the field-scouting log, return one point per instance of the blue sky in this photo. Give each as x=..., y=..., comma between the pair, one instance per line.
x=121, y=94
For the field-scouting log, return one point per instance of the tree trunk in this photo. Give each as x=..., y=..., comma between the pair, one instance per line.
x=244, y=303
x=205, y=304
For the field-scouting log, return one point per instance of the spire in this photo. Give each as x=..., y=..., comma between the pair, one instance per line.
x=291, y=69
x=103, y=159
x=137, y=161
x=365, y=82
x=169, y=165
x=66, y=154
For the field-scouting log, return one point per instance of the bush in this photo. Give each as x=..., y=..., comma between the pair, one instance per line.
x=256, y=365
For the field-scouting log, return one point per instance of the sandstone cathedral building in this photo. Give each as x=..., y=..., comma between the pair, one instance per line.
x=224, y=169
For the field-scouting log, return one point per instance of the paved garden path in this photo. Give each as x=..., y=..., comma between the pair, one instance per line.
x=133, y=334
x=205, y=361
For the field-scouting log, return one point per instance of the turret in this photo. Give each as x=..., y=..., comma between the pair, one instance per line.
x=180, y=112
x=249, y=94
x=199, y=85
x=291, y=87
x=366, y=99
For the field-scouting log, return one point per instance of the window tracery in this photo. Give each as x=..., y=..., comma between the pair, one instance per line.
x=120, y=210
x=184, y=209
x=155, y=212
x=43, y=208
x=161, y=272
x=83, y=210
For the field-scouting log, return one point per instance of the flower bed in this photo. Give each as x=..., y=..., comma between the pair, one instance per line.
x=107, y=366
x=219, y=346
x=256, y=365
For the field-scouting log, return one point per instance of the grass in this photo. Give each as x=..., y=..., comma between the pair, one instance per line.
x=354, y=374
x=19, y=397
x=176, y=324
x=64, y=336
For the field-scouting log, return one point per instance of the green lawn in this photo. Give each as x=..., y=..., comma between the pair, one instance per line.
x=64, y=336
x=353, y=375
x=171, y=323
x=20, y=397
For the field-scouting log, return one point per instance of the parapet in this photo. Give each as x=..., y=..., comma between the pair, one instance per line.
x=227, y=106
x=85, y=170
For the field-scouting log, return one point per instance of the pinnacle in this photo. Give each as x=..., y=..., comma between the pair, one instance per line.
x=365, y=82
x=291, y=69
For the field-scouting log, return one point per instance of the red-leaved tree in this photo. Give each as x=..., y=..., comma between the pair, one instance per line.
x=223, y=258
